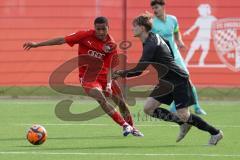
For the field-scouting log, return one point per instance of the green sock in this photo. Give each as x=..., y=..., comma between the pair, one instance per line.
x=195, y=106
x=173, y=107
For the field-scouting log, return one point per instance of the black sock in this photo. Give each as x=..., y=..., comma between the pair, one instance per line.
x=202, y=125
x=166, y=115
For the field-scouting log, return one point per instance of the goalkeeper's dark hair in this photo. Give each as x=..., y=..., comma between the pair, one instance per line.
x=144, y=20
x=101, y=20
x=160, y=2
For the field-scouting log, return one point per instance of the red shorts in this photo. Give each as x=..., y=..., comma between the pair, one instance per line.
x=101, y=85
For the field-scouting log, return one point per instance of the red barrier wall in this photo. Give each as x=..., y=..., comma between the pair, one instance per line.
x=23, y=20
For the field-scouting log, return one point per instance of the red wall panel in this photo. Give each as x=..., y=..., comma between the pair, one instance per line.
x=23, y=20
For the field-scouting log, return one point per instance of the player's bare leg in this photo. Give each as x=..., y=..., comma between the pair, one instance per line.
x=123, y=107
x=110, y=110
x=185, y=115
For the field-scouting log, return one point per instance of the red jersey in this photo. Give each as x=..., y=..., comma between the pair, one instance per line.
x=90, y=45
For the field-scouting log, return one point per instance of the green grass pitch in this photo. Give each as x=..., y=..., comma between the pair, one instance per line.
x=102, y=139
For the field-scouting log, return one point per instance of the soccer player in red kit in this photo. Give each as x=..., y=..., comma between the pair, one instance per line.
x=100, y=48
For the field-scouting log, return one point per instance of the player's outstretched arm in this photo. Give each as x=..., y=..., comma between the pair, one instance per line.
x=55, y=41
x=134, y=72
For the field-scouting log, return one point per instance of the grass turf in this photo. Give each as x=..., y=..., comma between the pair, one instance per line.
x=101, y=139
x=206, y=93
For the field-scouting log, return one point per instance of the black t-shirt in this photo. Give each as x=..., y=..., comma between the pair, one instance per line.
x=157, y=52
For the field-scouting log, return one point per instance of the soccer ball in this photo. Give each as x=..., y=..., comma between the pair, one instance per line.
x=37, y=135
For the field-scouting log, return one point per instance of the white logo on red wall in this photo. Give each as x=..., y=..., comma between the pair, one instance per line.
x=203, y=37
x=226, y=35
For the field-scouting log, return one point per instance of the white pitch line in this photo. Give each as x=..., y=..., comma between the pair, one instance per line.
x=120, y=154
x=99, y=124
